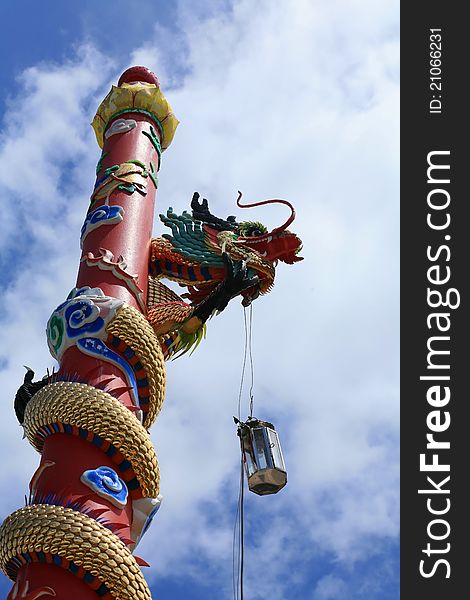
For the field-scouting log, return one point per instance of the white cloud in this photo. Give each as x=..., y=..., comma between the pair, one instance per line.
x=291, y=100
x=330, y=588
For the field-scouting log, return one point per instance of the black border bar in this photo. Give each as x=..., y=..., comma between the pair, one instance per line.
x=435, y=358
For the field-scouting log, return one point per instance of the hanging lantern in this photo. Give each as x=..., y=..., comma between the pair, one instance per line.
x=262, y=455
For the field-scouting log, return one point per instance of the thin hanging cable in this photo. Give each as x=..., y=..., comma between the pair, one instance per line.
x=236, y=548
x=238, y=551
x=250, y=327
x=242, y=379
x=242, y=532
x=238, y=541
x=238, y=528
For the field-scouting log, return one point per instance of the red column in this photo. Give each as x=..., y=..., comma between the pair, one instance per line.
x=86, y=470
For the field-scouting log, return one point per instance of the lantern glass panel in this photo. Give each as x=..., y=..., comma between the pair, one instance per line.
x=249, y=464
x=276, y=450
x=260, y=447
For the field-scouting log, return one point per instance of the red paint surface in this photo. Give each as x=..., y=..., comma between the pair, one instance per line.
x=63, y=478
x=65, y=585
x=101, y=374
x=130, y=239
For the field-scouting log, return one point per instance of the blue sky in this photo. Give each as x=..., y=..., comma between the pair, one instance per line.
x=278, y=99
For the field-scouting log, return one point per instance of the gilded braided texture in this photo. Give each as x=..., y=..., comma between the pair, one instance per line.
x=76, y=537
x=159, y=292
x=130, y=326
x=162, y=248
x=168, y=315
x=97, y=411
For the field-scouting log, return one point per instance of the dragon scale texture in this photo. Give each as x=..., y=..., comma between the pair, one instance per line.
x=97, y=487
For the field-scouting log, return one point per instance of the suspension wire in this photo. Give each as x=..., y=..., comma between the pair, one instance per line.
x=236, y=549
x=245, y=351
x=250, y=326
x=242, y=528
x=238, y=540
x=238, y=527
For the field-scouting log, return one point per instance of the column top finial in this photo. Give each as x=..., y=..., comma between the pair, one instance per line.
x=138, y=73
x=138, y=91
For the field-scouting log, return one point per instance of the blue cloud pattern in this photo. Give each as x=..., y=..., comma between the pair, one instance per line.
x=103, y=215
x=107, y=484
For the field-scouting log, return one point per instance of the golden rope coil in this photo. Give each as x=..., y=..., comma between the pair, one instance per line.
x=163, y=248
x=130, y=326
x=167, y=317
x=97, y=411
x=158, y=292
x=76, y=537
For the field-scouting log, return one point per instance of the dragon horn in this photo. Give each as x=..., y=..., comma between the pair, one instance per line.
x=271, y=201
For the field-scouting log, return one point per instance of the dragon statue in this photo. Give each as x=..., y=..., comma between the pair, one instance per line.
x=215, y=260
x=97, y=487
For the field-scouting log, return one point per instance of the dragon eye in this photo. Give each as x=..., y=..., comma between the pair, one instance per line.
x=252, y=229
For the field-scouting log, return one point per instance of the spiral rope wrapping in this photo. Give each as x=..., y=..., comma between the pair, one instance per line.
x=94, y=410
x=76, y=537
x=132, y=327
x=72, y=407
x=59, y=534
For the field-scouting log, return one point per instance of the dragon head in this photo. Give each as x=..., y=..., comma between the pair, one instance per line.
x=278, y=244
x=251, y=242
x=253, y=236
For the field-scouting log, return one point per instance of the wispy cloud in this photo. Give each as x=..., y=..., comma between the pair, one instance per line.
x=294, y=100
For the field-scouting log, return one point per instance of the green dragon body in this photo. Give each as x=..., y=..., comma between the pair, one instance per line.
x=215, y=260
